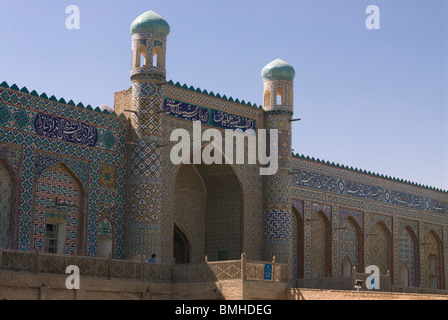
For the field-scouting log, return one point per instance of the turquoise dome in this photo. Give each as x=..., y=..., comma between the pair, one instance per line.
x=150, y=22
x=278, y=70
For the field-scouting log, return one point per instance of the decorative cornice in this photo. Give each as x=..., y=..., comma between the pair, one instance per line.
x=43, y=95
x=373, y=174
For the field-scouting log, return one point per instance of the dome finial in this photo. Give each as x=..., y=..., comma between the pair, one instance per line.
x=278, y=70
x=150, y=22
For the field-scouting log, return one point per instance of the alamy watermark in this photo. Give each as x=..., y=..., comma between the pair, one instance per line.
x=212, y=152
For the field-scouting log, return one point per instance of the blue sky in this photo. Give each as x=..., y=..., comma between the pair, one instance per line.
x=371, y=99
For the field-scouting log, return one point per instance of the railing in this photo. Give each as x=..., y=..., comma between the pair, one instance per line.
x=245, y=270
x=209, y=271
x=38, y=262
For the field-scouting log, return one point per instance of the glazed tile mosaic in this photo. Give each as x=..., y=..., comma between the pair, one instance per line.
x=73, y=177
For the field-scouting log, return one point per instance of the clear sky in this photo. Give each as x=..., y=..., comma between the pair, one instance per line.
x=371, y=99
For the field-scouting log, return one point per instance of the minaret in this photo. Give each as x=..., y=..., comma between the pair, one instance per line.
x=149, y=34
x=278, y=79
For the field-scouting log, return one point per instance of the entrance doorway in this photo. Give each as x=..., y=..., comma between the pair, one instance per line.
x=181, y=246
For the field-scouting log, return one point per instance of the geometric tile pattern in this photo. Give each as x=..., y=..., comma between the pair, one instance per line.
x=407, y=254
x=107, y=175
x=433, y=266
x=380, y=247
x=319, y=246
x=58, y=198
x=350, y=242
x=37, y=153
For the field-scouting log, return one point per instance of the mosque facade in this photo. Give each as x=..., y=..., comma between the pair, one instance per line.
x=100, y=182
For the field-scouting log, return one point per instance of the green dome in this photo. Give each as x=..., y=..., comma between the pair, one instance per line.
x=278, y=70
x=150, y=22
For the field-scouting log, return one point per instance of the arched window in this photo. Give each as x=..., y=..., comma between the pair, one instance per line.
x=267, y=98
x=103, y=246
x=141, y=56
x=157, y=57
x=280, y=97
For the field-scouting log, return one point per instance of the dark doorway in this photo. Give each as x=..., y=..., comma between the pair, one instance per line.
x=181, y=250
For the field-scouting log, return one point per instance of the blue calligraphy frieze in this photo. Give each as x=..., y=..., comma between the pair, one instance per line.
x=207, y=115
x=66, y=130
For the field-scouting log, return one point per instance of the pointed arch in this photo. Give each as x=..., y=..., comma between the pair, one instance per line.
x=352, y=242
x=59, y=216
x=409, y=254
x=433, y=261
x=380, y=242
x=157, y=57
x=181, y=245
x=320, y=245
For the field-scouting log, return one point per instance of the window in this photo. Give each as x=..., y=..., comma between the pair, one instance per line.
x=280, y=97
x=141, y=56
x=279, y=100
x=51, y=238
x=267, y=98
x=157, y=57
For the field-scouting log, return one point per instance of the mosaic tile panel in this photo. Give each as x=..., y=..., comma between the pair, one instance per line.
x=108, y=176
x=319, y=246
x=350, y=242
x=58, y=198
x=380, y=247
x=433, y=266
x=81, y=159
x=407, y=254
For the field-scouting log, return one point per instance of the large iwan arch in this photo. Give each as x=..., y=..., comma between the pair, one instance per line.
x=208, y=208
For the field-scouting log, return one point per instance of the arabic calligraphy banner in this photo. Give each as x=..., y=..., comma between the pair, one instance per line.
x=67, y=130
x=206, y=115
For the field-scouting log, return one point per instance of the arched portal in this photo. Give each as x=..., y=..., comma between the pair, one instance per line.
x=181, y=246
x=208, y=207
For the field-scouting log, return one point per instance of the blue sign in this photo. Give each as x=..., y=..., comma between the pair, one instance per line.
x=268, y=272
